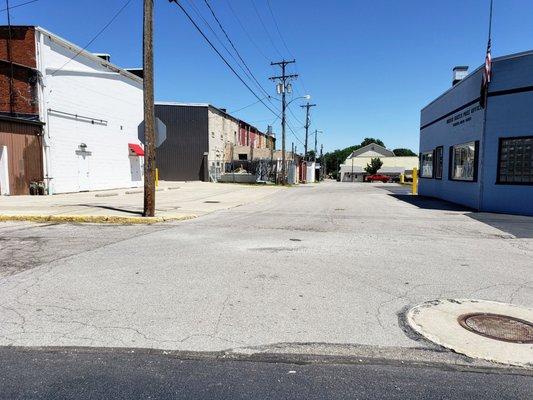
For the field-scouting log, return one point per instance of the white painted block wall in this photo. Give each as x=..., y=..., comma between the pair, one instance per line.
x=87, y=88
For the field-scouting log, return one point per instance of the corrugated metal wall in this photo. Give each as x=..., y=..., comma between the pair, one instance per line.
x=180, y=157
x=25, y=156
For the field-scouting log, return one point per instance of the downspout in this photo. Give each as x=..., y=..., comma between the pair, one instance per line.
x=43, y=114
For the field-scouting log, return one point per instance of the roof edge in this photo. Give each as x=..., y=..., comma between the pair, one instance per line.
x=470, y=74
x=71, y=46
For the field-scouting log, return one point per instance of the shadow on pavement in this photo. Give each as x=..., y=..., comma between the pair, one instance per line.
x=429, y=203
x=519, y=226
x=110, y=208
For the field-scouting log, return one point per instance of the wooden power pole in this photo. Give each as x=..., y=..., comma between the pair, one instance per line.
x=149, y=113
x=283, y=88
x=307, y=125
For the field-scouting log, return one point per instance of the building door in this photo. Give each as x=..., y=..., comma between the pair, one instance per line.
x=4, y=171
x=83, y=172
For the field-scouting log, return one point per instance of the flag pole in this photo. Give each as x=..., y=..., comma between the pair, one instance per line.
x=486, y=78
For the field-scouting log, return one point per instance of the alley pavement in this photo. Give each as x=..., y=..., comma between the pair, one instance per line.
x=331, y=263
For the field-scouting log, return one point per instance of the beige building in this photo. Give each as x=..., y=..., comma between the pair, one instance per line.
x=353, y=169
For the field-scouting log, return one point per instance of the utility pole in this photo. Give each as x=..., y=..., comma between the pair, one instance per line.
x=282, y=88
x=292, y=151
x=316, y=150
x=322, y=163
x=307, y=124
x=149, y=114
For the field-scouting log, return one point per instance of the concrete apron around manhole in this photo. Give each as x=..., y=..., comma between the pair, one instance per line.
x=482, y=329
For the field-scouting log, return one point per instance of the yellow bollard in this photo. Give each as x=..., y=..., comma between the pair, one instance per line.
x=415, y=181
x=156, y=177
x=402, y=178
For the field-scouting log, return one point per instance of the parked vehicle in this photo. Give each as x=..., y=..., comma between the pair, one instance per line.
x=378, y=178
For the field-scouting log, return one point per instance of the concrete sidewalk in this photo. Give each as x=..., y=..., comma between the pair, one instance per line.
x=174, y=200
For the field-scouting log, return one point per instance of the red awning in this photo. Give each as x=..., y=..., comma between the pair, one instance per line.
x=138, y=150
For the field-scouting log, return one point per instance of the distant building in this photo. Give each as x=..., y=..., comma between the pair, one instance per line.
x=201, y=138
x=68, y=117
x=482, y=158
x=353, y=169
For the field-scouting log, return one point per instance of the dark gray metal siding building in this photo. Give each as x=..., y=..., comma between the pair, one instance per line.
x=181, y=156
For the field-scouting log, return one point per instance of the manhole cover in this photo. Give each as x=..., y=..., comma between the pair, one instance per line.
x=499, y=327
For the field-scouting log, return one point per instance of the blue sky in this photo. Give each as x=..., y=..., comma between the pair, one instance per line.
x=369, y=65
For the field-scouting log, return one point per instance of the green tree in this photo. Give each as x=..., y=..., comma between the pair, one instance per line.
x=404, y=152
x=374, y=166
x=369, y=140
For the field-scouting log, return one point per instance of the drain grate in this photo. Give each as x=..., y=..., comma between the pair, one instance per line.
x=211, y=201
x=499, y=327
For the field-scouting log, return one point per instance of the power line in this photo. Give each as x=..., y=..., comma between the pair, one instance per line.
x=265, y=28
x=199, y=14
x=19, y=5
x=115, y=16
x=269, y=4
x=248, y=75
x=294, y=134
x=246, y=31
x=277, y=28
x=234, y=48
x=220, y=55
x=294, y=115
x=247, y=106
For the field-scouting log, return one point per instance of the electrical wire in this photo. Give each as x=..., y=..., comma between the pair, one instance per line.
x=247, y=72
x=19, y=5
x=246, y=31
x=269, y=4
x=217, y=37
x=247, y=106
x=115, y=16
x=277, y=28
x=265, y=28
x=235, y=49
x=220, y=55
x=295, y=135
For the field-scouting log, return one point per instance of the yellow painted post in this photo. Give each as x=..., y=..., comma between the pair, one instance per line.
x=415, y=181
x=156, y=177
x=402, y=178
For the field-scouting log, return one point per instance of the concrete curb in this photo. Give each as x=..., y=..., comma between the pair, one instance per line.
x=437, y=321
x=290, y=358
x=94, y=219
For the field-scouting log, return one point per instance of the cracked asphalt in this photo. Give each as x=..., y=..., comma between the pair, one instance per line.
x=332, y=263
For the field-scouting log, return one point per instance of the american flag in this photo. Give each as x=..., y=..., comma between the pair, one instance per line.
x=487, y=75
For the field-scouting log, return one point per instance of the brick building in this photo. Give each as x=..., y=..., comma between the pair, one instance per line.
x=21, y=157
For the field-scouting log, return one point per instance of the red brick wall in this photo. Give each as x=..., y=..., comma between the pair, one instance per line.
x=23, y=53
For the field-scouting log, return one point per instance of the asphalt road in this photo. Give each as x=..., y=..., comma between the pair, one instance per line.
x=30, y=374
x=334, y=263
